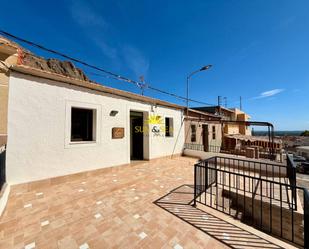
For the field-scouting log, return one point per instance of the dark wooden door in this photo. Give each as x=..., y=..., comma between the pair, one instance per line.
x=137, y=137
x=205, y=137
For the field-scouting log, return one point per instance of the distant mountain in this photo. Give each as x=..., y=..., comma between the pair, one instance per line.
x=278, y=133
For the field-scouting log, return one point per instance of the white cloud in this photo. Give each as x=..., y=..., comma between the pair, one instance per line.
x=85, y=15
x=269, y=93
x=96, y=28
x=135, y=60
x=93, y=25
x=107, y=50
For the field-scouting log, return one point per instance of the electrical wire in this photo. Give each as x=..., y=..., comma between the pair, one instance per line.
x=3, y=63
x=114, y=75
x=145, y=85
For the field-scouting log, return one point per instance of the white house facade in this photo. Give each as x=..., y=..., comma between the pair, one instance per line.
x=56, y=128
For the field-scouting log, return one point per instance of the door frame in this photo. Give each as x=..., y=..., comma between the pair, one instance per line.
x=146, y=137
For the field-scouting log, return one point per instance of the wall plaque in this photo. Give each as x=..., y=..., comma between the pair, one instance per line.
x=117, y=132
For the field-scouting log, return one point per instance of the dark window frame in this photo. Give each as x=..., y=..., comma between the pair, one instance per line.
x=83, y=124
x=168, y=127
x=193, y=133
x=214, y=132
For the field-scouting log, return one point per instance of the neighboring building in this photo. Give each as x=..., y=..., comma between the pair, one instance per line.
x=203, y=131
x=227, y=114
x=303, y=151
x=220, y=111
x=57, y=122
x=237, y=137
x=238, y=115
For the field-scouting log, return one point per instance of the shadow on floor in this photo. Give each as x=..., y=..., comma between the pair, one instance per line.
x=177, y=202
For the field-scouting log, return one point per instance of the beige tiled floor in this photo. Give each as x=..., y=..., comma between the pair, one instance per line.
x=114, y=209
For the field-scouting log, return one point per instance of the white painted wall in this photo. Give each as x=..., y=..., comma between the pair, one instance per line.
x=38, y=146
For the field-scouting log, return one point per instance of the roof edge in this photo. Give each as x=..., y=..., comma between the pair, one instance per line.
x=91, y=85
x=204, y=113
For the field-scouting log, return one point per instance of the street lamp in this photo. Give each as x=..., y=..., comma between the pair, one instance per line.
x=189, y=76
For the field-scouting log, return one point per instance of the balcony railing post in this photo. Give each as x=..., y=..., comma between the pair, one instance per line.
x=195, y=185
x=291, y=174
x=216, y=167
x=306, y=218
x=206, y=176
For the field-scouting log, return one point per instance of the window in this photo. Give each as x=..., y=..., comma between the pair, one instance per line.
x=83, y=123
x=168, y=127
x=193, y=133
x=214, y=132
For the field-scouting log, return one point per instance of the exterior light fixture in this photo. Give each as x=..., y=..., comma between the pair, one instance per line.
x=154, y=106
x=205, y=67
x=113, y=113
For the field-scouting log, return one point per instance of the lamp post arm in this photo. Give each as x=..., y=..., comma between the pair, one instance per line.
x=188, y=78
x=194, y=72
x=188, y=95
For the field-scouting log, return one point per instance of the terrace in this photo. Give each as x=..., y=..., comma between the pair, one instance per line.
x=144, y=205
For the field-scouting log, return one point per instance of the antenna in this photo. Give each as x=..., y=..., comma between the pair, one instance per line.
x=219, y=100
x=225, y=101
x=142, y=85
x=240, y=103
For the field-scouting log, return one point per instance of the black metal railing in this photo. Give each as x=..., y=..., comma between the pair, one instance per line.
x=214, y=148
x=192, y=146
x=2, y=166
x=257, y=193
x=275, y=173
x=271, y=170
x=201, y=147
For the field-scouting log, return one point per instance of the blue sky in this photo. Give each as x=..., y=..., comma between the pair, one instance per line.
x=259, y=49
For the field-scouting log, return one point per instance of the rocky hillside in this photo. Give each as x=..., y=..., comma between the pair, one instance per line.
x=66, y=68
